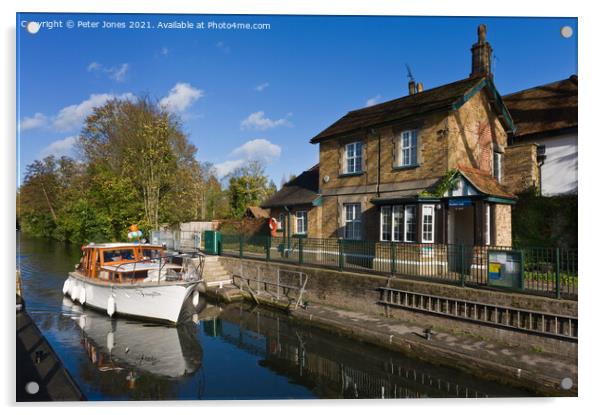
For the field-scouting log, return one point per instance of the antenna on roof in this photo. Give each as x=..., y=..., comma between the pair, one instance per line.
x=410, y=76
x=411, y=82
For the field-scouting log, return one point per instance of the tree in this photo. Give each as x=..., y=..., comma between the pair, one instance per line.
x=248, y=186
x=142, y=141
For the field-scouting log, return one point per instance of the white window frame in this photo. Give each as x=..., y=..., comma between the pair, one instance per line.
x=397, y=214
x=384, y=223
x=406, y=209
x=301, y=215
x=355, y=222
x=356, y=158
x=411, y=148
x=487, y=224
x=497, y=166
x=424, y=223
x=280, y=222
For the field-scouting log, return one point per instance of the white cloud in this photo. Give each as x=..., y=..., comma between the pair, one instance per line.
x=373, y=101
x=116, y=73
x=262, y=86
x=164, y=51
x=37, y=121
x=181, y=96
x=72, y=116
x=259, y=121
x=227, y=167
x=94, y=66
x=258, y=149
x=59, y=148
x=223, y=47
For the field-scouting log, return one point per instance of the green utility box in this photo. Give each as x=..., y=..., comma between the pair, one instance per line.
x=213, y=242
x=505, y=269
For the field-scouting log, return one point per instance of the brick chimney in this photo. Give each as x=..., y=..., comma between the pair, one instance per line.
x=481, y=55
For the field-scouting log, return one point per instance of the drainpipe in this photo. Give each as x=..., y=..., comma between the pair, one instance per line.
x=541, y=158
x=375, y=132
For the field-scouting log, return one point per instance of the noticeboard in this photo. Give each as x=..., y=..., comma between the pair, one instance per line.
x=505, y=268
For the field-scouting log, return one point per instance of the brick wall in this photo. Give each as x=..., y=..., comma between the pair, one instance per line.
x=521, y=171
x=474, y=134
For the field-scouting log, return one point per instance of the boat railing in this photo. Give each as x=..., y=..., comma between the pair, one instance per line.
x=163, y=272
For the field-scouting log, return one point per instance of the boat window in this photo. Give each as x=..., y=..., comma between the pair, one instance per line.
x=118, y=255
x=151, y=253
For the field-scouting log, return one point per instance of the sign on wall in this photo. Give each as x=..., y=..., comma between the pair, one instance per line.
x=505, y=269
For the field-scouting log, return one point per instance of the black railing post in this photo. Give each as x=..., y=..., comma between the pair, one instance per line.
x=268, y=247
x=393, y=258
x=557, y=269
x=462, y=281
x=300, y=250
x=341, y=255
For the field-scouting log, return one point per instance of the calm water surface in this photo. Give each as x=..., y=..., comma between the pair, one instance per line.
x=233, y=352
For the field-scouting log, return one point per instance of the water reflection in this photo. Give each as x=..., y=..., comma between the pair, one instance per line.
x=334, y=367
x=117, y=344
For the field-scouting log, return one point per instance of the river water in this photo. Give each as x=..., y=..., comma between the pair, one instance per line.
x=229, y=352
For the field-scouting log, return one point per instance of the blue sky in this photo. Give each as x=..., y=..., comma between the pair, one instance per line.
x=245, y=94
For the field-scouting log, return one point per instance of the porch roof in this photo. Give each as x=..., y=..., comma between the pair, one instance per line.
x=485, y=184
x=418, y=190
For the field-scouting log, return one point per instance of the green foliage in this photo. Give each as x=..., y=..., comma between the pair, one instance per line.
x=248, y=187
x=447, y=182
x=545, y=221
x=138, y=167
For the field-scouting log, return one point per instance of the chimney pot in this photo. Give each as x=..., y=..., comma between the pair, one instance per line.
x=481, y=54
x=420, y=87
x=412, y=87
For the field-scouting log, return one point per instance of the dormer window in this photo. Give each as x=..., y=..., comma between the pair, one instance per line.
x=497, y=166
x=408, y=148
x=353, y=157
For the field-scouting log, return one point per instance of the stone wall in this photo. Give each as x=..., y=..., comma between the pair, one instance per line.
x=521, y=172
x=360, y=292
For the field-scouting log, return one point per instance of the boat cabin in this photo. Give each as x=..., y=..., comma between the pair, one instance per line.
x=120, y=262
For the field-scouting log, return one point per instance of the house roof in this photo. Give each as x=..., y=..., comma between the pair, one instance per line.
x=544, y=108
x=484, y=183
x=442, y=98
x=257, y=212
x=302, y=190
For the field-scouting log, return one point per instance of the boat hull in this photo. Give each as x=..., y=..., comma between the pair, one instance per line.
x=162, y=302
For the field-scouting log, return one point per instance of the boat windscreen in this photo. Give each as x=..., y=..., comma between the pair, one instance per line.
x=118, y=255
x=151, y=253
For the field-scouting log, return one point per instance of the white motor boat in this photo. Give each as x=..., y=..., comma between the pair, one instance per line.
x=134, y=280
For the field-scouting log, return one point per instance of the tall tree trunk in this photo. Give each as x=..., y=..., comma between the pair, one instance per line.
x=49, y=204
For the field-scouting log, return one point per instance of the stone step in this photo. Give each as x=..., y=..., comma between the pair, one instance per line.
x=219, y=283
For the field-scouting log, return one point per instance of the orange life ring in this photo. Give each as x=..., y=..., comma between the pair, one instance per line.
x=273, y=224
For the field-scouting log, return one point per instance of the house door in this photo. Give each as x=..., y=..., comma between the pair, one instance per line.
x=460, y=222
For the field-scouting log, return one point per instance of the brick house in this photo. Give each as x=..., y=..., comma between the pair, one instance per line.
x=424, y=168
x=297, y=207
x=546, y=119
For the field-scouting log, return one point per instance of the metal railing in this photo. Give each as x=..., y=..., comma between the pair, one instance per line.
x=546, y=271
x=194, y=274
